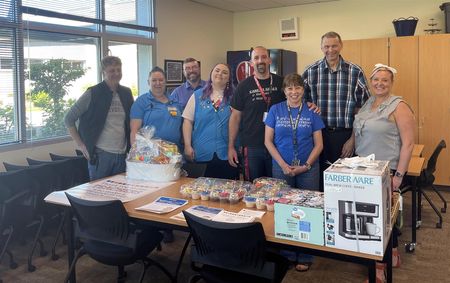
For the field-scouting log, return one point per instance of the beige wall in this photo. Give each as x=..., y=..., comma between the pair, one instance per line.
x=187, y=29
x=36, y=152
x=352, y=19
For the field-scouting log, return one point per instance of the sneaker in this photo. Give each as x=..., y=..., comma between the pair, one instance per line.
x=168, y=236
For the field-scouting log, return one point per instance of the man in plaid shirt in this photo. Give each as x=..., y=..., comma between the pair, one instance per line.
x=339, y=89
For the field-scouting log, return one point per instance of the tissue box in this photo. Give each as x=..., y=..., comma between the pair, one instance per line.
x=299, y=219
x=358, y=207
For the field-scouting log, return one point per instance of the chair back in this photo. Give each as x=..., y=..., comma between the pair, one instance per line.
x=13, y=167
x=239, y=247
x=195, y=170
x=431, y=165
x=78, y=167
x=105, y=221
x=427, y=176
x=16, y=200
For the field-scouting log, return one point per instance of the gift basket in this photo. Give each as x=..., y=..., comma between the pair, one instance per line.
x=153, y=159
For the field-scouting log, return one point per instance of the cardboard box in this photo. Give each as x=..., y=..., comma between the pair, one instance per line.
x=300, y=217
x=357, y=207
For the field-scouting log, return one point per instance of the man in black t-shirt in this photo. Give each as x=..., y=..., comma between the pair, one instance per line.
x=250, y=104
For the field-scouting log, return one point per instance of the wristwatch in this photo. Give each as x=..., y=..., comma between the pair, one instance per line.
x=398, y=174
x=307, y=165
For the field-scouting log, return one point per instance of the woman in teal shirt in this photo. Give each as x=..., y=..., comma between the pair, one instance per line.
x=155, y=109
x=205, y=126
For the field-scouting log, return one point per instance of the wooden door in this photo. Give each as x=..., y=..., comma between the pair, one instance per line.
x=351, y=51
x=434, y=99
x=404, y=56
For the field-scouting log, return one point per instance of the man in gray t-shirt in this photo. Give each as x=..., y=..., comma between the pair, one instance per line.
x=103, y=113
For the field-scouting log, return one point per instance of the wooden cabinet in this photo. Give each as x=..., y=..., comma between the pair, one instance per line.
x=434, y=99
x=423, y=65
x=366, y=53
x=404, y=57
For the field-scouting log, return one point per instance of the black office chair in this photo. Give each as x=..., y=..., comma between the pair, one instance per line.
x=62, y=176
x=426, y=180
x=26, y=214
x=9, y=209
x=232, y=252
x=107, y=235
x=79, y=167
x=195, y=170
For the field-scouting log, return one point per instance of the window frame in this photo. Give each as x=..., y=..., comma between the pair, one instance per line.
x=100, y=32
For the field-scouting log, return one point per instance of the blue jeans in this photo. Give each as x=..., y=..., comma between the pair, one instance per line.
x=257, y=162
x=297, y=257
x=308, y=180
x=107, y=164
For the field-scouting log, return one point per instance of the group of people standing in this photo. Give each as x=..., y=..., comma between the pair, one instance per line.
x=290, y=128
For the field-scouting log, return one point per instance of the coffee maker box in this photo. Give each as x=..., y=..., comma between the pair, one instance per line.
x=299, y=217
x=358, y=207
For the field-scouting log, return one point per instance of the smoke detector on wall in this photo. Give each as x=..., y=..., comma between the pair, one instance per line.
x=288, y=28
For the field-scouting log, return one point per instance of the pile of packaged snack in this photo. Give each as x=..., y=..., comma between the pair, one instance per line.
x=146, y=149
x=215, y=189
x=302, y=198
x=266, y=192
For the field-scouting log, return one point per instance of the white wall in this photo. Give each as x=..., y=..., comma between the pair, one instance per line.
x=352, y=19
x=187, y=29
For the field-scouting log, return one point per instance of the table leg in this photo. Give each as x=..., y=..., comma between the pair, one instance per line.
x=412, y=246
x=372, y=271
x=70, y=244
x=388, y=258
x=183, y=252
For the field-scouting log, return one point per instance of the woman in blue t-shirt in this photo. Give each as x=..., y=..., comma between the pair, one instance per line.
x=293, y=137
x=155, y=109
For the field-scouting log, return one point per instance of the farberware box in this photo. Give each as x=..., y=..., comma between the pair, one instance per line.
x=357, y=207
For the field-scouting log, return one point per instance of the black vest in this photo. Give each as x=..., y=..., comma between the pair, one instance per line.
x=93, y=120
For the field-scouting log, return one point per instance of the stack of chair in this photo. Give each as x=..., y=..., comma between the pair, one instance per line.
x=66, y=172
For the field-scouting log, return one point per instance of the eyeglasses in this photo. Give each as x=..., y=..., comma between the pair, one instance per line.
x=191, y=68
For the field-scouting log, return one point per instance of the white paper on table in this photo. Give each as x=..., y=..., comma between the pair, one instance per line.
x=200, y=211
x=255, y=213
x=112, y=188
x=232, y=217
x=163, y=205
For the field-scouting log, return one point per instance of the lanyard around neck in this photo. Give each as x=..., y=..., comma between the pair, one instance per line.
x=294, y=127
x=261, y=90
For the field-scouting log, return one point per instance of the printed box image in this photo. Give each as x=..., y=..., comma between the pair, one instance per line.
x=357, y=207
x=300, y=217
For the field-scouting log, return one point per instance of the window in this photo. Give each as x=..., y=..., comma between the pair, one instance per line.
x=59, y=68
x=48, y=60
x=9, y=70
